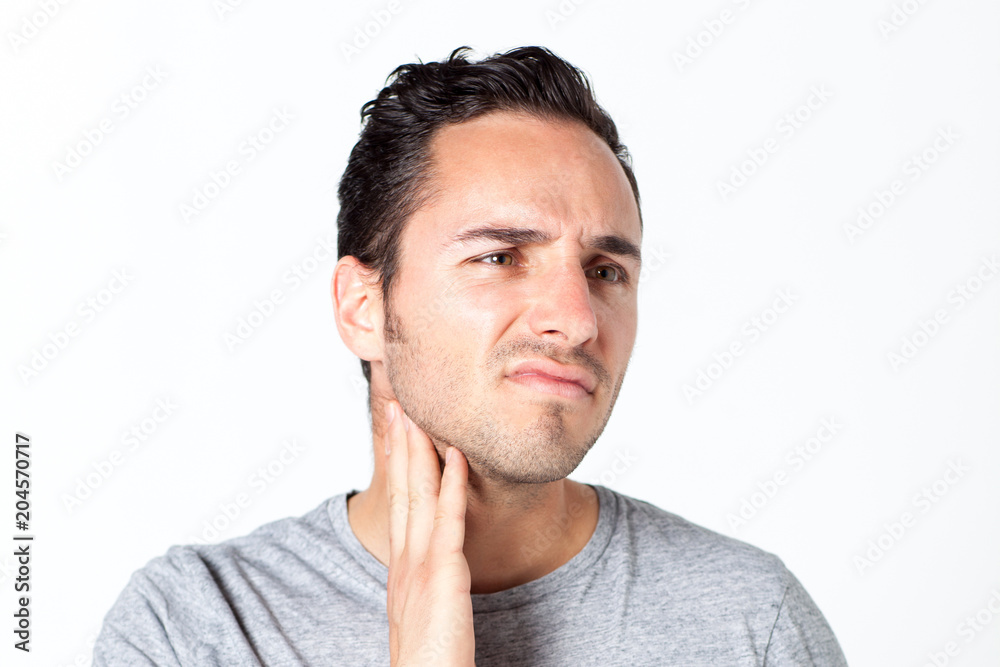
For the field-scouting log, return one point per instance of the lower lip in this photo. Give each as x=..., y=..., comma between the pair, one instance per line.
x=550, y=385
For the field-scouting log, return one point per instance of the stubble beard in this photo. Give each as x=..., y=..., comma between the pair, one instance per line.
x=437, y=393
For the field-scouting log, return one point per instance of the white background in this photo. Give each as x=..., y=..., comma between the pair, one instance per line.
x=892, y=82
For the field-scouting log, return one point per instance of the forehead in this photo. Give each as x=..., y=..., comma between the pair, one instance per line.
x=508, y=168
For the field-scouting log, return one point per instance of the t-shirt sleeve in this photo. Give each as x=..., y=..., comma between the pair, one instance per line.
x=801, y=636
x=133, y=633
x=172, y=613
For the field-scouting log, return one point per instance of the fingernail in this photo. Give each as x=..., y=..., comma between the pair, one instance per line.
x=447, y=456
x=390, y=412
x=406, y=423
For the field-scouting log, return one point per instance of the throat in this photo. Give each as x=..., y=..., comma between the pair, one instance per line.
x=515, y=550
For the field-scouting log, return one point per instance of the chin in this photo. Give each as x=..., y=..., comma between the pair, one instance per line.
x=531, y=462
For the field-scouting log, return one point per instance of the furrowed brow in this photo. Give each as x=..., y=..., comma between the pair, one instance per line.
x=514, y=236
x=617, y=245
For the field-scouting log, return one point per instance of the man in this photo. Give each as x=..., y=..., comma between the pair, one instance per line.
x=489, y=239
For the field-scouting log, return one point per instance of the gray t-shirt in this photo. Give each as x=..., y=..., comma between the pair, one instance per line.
x=649, y=588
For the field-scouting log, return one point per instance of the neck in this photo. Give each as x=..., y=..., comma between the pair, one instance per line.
x=513, y=533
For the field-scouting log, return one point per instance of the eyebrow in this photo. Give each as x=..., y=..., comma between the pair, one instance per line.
x=515, y=236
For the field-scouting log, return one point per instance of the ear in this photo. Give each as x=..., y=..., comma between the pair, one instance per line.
x=357, y=305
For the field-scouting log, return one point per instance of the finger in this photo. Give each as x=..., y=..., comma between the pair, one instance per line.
x=448, y=537
x=396, y=489
x=423, y=482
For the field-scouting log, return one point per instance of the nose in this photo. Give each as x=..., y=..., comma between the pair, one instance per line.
x=561, y=309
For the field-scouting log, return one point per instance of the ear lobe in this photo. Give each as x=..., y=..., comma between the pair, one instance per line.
x=357, y=307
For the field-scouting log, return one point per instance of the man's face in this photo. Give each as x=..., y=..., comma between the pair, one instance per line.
x=516, y=273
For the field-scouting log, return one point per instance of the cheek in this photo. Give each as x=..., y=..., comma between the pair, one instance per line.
x=617, y=327
x=481, y=310
x=475, y=325
x=456, y=325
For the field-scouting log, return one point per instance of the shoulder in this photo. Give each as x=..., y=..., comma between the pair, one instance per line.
x=176, y=599
x=687, y=554
x=268, y=546
x=742, y=589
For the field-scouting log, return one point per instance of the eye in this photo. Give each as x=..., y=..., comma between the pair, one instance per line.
x=608, y=273
x=489, y=259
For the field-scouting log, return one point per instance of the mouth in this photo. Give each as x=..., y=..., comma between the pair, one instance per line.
x=549, y=385
x=551, y=378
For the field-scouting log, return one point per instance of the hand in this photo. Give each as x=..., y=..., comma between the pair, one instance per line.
x=429, y=601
